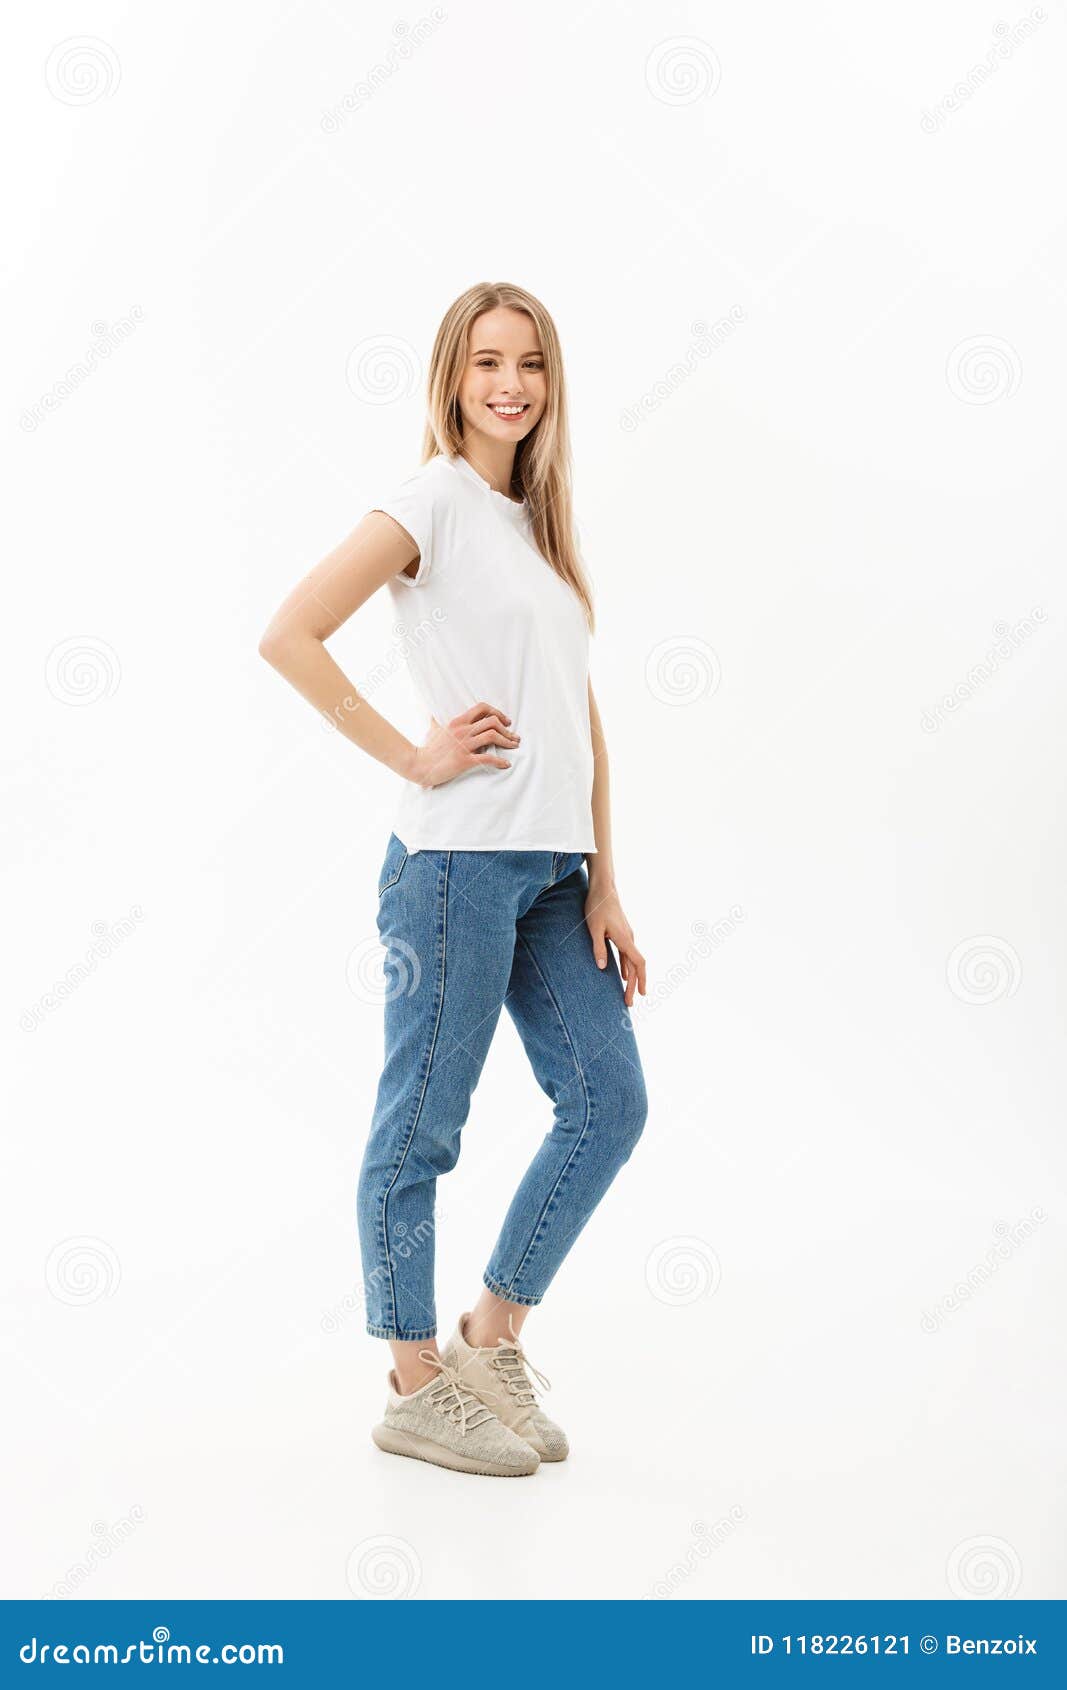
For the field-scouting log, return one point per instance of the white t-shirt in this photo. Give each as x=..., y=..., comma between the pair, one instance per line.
x=486, y=618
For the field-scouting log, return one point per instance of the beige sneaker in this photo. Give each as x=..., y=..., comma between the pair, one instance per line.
x=446, y=1422
x=499, y=1375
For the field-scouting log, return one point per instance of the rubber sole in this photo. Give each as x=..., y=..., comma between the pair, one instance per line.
x=424, y=1449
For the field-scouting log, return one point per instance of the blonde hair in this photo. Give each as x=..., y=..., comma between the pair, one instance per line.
x=542, y=472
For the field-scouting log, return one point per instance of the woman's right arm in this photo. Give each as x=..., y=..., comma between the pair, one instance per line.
x=294, y=644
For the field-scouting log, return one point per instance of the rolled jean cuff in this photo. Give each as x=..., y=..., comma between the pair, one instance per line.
x=499, y=1290
x=401, y=1337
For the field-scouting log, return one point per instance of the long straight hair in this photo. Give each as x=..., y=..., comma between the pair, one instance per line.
x=542, y=472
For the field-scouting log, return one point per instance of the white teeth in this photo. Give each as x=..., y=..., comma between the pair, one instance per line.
x=508, y=410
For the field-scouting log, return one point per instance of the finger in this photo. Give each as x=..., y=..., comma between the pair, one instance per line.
x=491, y=736
x=485, y=760
x=490, y=720
x=637, y=965
x=481, y=709
x=600, y=943
x=629, y=981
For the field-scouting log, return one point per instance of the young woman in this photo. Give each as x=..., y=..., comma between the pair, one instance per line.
x=484, y=896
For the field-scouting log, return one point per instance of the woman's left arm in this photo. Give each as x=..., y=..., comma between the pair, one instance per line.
x=603, y=912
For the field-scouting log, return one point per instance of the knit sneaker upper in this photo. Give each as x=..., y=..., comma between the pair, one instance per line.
x=448, y=1410
x=501, y=1375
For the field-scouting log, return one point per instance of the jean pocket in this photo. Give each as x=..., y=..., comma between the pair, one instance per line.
x=396, y=855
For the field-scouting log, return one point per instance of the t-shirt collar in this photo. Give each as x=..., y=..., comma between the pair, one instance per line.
x=501, y=499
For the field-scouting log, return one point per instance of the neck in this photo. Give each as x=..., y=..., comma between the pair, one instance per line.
x=494, y=461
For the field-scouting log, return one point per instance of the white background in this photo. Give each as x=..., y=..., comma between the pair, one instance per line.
x=802, y=542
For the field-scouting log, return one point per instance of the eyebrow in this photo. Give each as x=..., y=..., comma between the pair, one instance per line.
x=496, y=354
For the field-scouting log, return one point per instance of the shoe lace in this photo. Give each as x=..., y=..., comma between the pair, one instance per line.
x=512, y=1363
x=451, y=1397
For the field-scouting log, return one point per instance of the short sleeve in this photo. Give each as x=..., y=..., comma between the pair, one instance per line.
x=412, y=504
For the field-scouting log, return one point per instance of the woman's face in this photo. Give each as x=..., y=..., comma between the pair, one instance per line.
x=504, y=370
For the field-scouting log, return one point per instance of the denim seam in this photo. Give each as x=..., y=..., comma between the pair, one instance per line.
x=500, y=1290
x=401, y=1337
x=542, y=1217
x=383, y=889
x=442, y=886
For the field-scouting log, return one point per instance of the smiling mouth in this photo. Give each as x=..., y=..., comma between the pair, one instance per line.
x=509, y=413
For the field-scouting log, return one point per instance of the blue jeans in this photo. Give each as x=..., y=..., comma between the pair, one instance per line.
x=467, y=932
